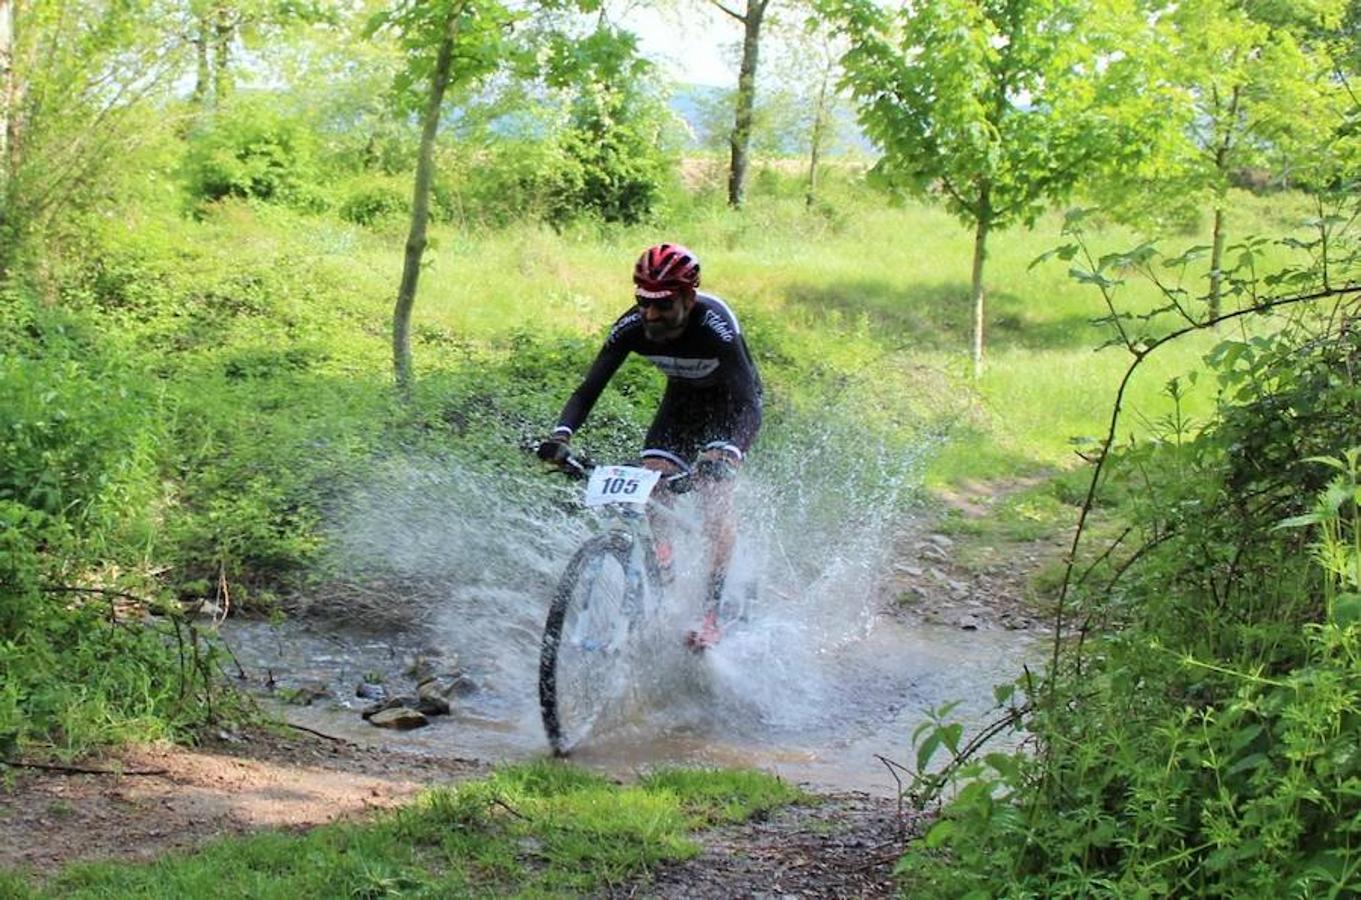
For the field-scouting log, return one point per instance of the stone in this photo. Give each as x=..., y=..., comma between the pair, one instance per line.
x=421, y=667
x=940, y=541
x=933, y=553
x=447, y=685
x=305, y=695
x=969, y=622
x=368, y=690
x=208, y=609
x=399, y=718
x=404, y=702
x=433, y=705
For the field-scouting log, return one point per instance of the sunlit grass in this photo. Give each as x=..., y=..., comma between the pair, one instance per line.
x=539, y=829
x=873, y=291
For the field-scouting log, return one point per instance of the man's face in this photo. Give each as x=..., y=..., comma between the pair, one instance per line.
x=664, y=317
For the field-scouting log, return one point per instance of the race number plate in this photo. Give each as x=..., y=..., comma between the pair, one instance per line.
x=620, y=484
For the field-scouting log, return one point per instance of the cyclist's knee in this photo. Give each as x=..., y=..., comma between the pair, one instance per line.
x=661, y=464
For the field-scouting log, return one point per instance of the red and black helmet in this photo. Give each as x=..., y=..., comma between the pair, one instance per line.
x=666, y=269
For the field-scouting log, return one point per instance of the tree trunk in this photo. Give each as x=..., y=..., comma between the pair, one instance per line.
x=1222, y=162
x=8, y=132
x=224, y=29
x=420, y=206
x=746, y=101
x=1217, y=259
x=8, y=91
x=820, y=118
x=980, y=253
x=202, y=70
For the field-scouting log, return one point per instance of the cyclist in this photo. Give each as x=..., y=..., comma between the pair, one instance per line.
x=711, y=408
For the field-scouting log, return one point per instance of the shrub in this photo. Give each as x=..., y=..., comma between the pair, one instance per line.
x=78, y=433
x=254, y=151
x=371, y=199
x=1204, y=745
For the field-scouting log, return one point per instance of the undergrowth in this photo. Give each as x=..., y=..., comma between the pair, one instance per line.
x=1197, y=732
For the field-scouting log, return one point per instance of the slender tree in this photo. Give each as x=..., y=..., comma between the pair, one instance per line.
x=992, y=104
x=1253, y=91
x=450, y=47
x=219, y=26
x=751, y=17
x=818, y=134
x=8, y=87
x=450, y=43
x=75, y=84
x=811, y=66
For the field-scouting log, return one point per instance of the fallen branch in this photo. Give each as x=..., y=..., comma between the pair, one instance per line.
x=322, y=734
x=497, y=801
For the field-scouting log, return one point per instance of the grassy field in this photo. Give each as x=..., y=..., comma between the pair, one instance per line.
x=876, y=293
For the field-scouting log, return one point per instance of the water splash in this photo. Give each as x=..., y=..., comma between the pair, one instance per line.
x=470, y=555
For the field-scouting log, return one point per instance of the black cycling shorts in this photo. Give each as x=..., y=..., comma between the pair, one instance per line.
x=689, y=420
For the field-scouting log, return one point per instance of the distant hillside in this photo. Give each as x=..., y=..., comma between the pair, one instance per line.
x=704, y=109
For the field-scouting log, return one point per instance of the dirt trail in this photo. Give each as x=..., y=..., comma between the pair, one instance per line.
x=229, y=786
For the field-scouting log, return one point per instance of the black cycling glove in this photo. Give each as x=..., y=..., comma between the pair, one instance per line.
x=554, y=450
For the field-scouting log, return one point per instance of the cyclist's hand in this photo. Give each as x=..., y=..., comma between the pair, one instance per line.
x=554, y=450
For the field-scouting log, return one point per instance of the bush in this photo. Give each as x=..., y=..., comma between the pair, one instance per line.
x=79, y=432
x=1206, y=744
x=254, y=151
x=504, y=183
x=372, y=199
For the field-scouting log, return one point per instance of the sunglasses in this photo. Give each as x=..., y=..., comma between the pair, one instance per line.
x=661, y=304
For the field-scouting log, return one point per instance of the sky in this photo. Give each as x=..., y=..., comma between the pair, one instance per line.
x=692, y=52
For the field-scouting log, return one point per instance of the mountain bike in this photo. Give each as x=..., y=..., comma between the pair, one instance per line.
x=610, y=588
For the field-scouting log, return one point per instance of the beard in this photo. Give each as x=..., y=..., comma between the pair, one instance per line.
x=663, y=330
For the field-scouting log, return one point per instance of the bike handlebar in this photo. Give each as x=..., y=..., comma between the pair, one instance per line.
x=579, y=467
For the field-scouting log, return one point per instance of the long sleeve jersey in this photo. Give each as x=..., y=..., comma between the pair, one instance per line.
x=709, y=355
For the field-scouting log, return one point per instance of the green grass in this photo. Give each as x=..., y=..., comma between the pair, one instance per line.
x=539, y=829
x=873, y=294
x=878, y=295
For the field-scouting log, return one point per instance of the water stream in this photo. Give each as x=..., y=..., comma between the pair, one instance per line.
x=815, y=685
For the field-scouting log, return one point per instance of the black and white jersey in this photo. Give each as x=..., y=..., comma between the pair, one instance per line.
x=709, y=355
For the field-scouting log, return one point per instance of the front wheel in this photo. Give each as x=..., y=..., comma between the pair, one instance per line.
x=582, y=658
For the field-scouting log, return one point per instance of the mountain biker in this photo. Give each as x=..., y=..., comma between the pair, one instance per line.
x=710, y=410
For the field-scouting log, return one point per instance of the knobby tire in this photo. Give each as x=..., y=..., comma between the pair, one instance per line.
x=605, y=547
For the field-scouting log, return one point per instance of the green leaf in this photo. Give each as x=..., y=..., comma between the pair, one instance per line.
x=1299, y=521
x=1346, y=609
x=1085, y=277
x=939, y=834
x=951, y=734
x=1251, y=761
x=927, y=750
x=1065, y=252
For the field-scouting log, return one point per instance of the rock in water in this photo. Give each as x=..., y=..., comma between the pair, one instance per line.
x=400, y=718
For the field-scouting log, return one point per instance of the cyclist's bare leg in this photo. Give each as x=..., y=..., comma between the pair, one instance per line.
x=660, y=530
x=716, y=500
